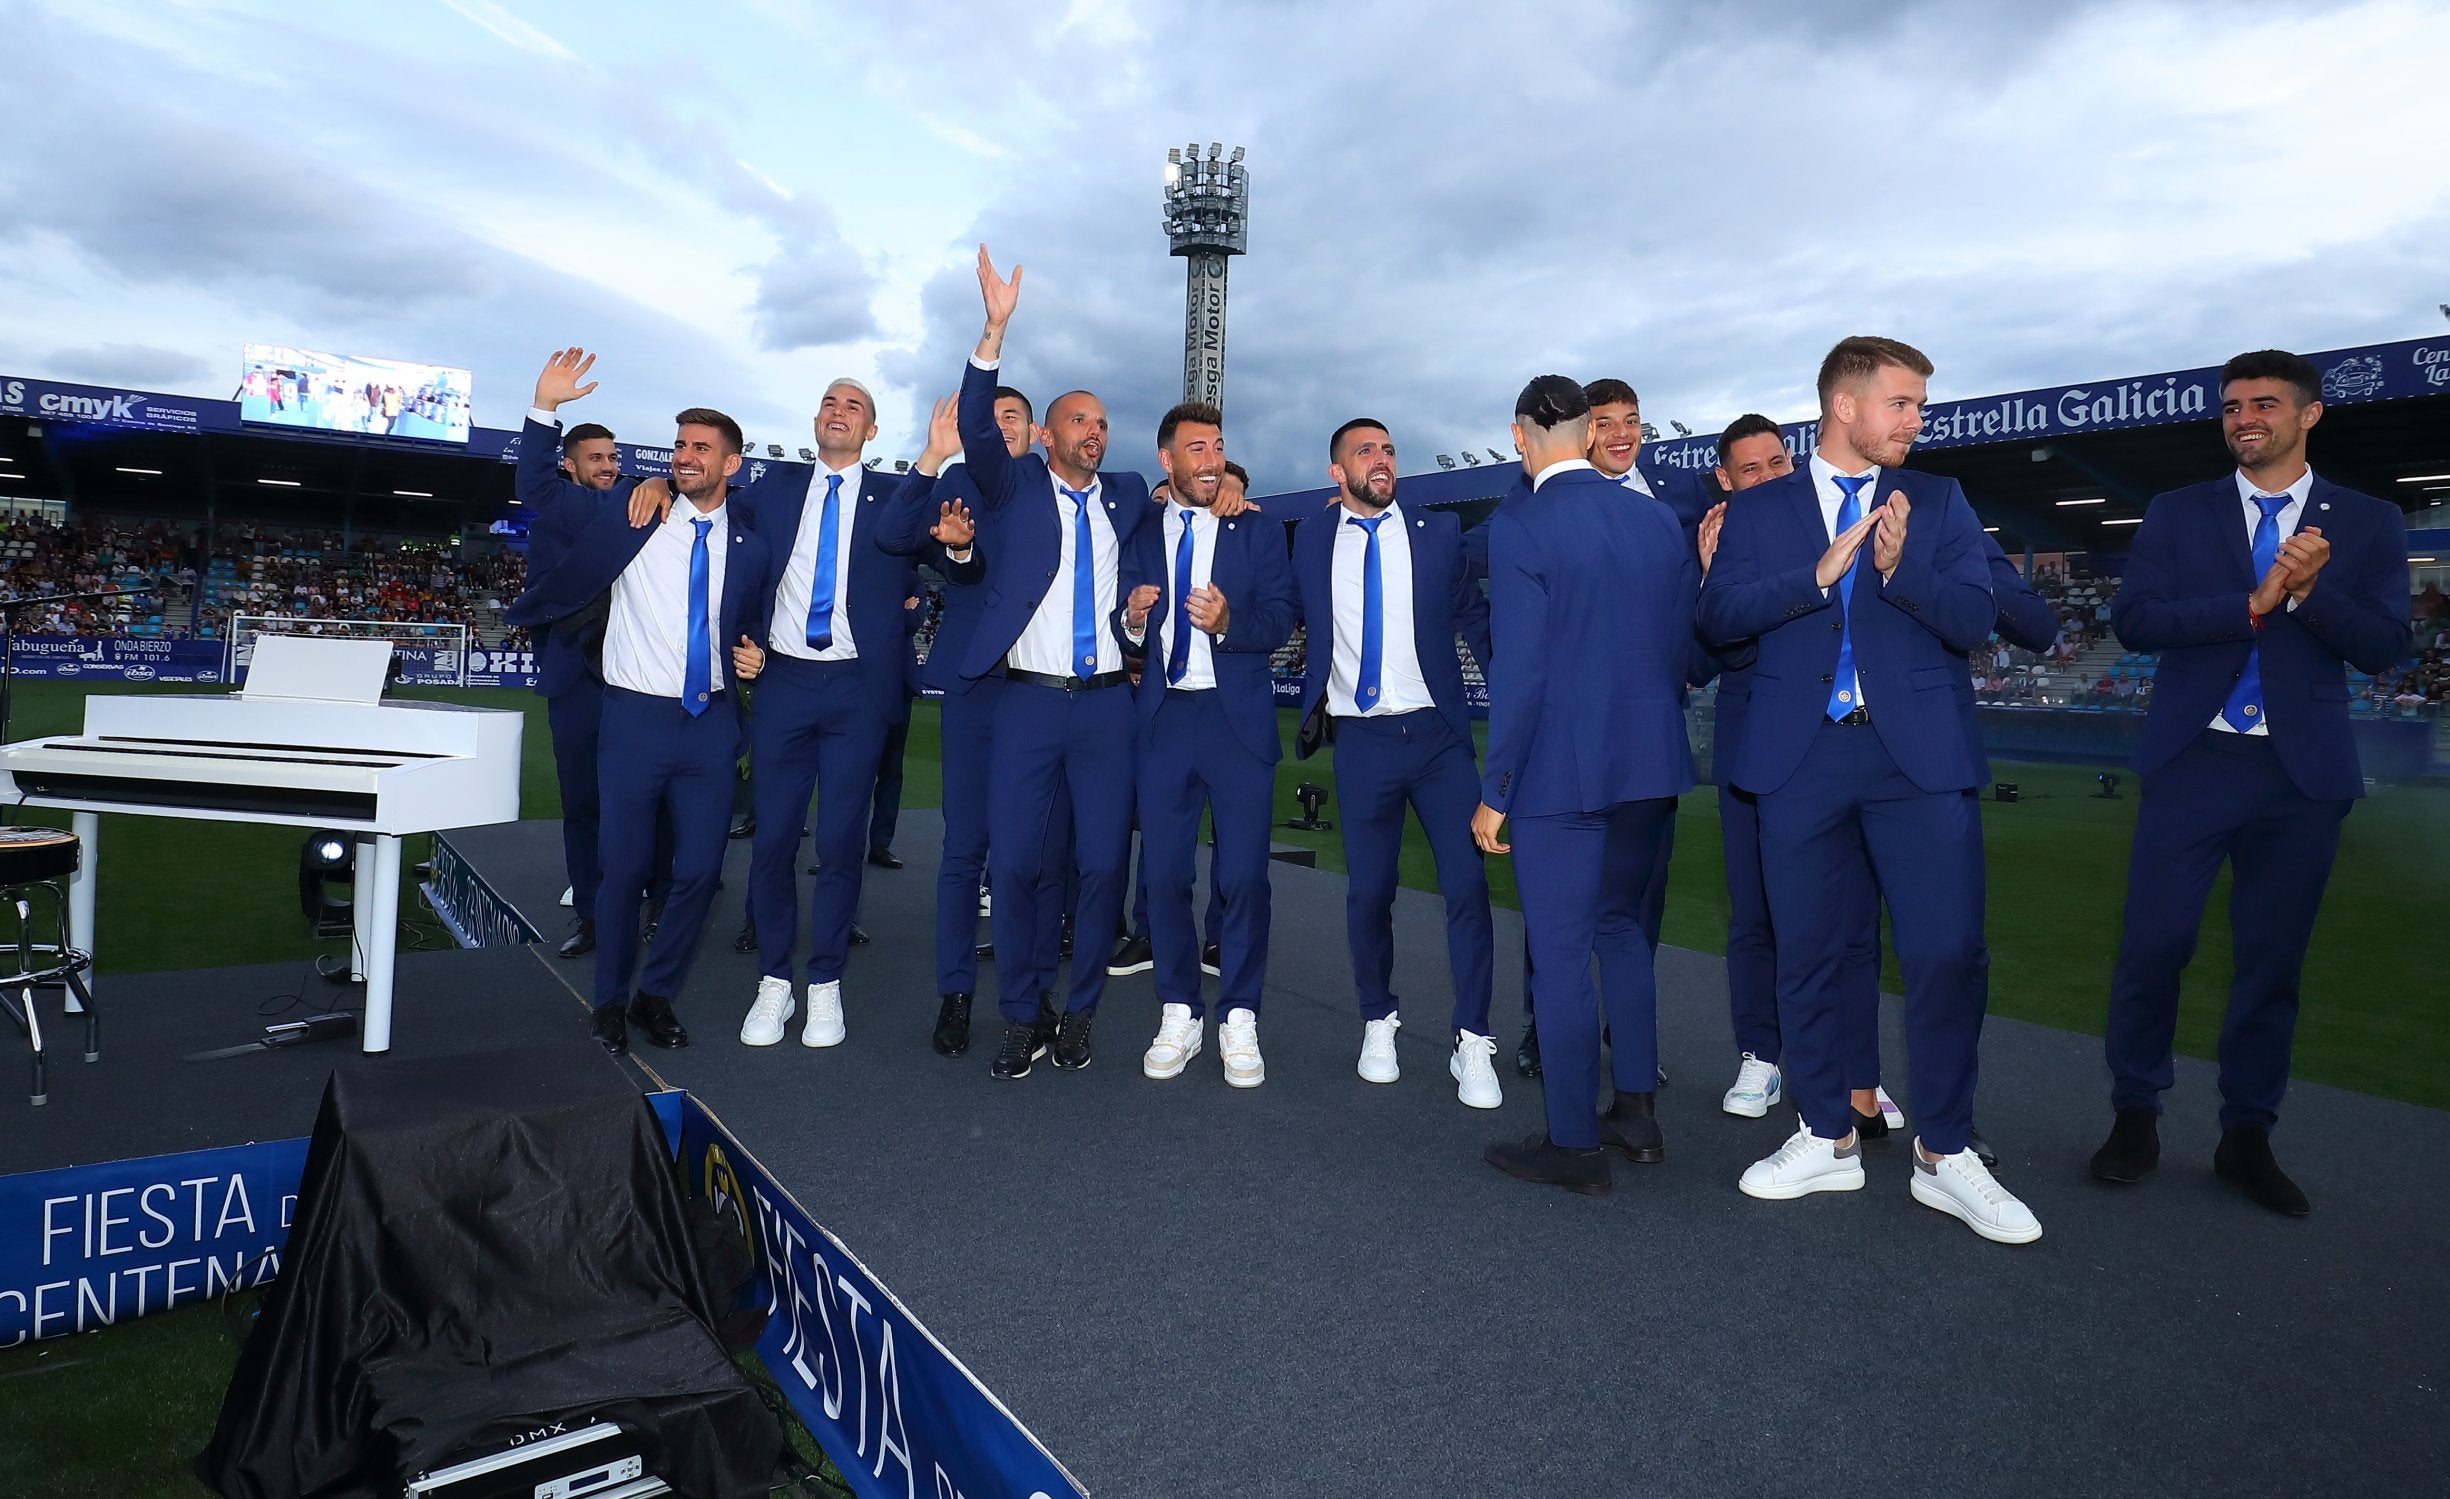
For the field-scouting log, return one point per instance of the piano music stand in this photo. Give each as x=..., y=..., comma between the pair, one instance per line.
x=9, y=609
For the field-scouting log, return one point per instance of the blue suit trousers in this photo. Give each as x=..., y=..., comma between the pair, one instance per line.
x=815, y=731
x=969, y=759
x=656, y=759
x=1048, y=739
x=2225, y=797
x=1192, y=761
x=1382, y=764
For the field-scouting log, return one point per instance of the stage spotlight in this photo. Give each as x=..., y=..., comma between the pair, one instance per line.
x=2109, y=787
x=326, y=860
x=1310, y=796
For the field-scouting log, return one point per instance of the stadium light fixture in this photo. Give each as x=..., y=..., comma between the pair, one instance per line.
x=2424, y=559
x=414, y=494
x=1990, y=530
x=284, y=483
x=873, y=462
x=808, y=455
x=2063, y=504
x=1681, y=429
x=901, y=465
x=2424, y=478
x=1446, y=462
x=515, y=500
x=2122, y=520
x=150, y=473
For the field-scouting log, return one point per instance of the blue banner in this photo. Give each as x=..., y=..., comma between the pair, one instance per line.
x=84, y=1246
x=116, y=658
x=2375, y=372
x=897, y=1413
x=111, y=406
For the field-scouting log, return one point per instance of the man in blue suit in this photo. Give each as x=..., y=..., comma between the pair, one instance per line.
x=1863, y=588
x=2259, y=589
x=1056, y=530
x=1384, y=593
x=1591, y=614
x=685, y=614
x=1206, y=602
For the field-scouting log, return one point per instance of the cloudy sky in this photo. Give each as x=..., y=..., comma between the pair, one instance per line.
x=736, y=202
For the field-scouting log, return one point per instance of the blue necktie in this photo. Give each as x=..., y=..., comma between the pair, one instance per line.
x=700, y=669
x=2245, y=706
x=821, y=586
x=1373, y=615
x=1178, y=649
x=1844, y=695
x=1084, y=586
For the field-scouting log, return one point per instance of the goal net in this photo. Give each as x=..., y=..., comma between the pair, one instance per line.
x=424, y=655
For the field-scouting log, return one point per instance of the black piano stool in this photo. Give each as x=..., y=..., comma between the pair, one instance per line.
x=31, y=860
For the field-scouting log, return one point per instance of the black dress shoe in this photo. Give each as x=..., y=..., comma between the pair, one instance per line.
x=2244, y=1157
x=2133, y=1149
x=655, y=917
x=746, y=827
x=1632, y=1126
x=883, y=858
x=652, y=1013
x=858, y=937
x=612, y=1030
x=983, y=950
x=747, y=940
x=1527, y=1055
x=1049, y=1020
x=1536, y=1159
x=1072, y=1039
x=1981, y=1149
x=1212, y=960
x=1871, y=1126
x=1020, y=1047
x=1131, y=955
x=580, y=942
x=1063, y=943
x=953, y=1026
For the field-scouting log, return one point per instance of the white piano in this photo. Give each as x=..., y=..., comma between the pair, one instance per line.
x=310, y=744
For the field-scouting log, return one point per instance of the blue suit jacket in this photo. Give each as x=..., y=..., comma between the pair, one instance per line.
x=879, y=581
x=1250, y=570
x=907, y=520
x=608, y=543
x=1023, y=530
x=1446, y=602
x=1912, y=634
x=1591, y=597
x=1686, y=494
x=557, y=510
x=2184, y=596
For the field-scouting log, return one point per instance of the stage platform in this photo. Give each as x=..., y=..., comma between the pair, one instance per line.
x=1316, y=1287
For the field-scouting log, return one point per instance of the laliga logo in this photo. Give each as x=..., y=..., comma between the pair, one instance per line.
x=2353, y=379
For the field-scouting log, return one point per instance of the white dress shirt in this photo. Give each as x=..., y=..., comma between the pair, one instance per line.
x=1554, y=469
x=1199, y=668
x=646, y=638
x=1046, y=641
x=1832, y=499
x=789, y=633
x=1401, y=686
x=1632, y=479
x=2290, y=514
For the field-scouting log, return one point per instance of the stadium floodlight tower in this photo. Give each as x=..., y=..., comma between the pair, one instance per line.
x=1207, y=218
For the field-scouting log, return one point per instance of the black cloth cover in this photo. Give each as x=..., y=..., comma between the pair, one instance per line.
x=484, y=1245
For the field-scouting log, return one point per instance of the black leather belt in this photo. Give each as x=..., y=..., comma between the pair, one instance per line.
x=1859, y=715
x=1063, y=684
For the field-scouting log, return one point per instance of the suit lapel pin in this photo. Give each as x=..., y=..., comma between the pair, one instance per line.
x=2325, y=505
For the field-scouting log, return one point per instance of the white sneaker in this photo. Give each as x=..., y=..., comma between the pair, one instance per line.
x=1962, y=1187
x=1758, y=1087
x=1889, y=1112
x=1237, y=1041
x=766, y=1018
x=1378, y=1064
x=569, y=895
x=986, y=901
x=1178, y=1041
x=1475, y=1079
x=825, y=1027
x=1806, y=1163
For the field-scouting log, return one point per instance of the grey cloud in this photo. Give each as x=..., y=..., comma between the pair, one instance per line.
x=128, y=364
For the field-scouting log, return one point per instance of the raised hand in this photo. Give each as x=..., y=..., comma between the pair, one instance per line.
x=1001, y=295
x=1841, y=553
x=943, y=435
x=1135, y=608
x=1706, y=539
x=953, y=526
x=650, y=502
x=1889, y=538
x=2304, y=554
x=1206, y=610
x=559, y=380
x=747, y=660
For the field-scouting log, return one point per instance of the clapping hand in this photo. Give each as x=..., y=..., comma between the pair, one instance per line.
x=1841, y=554
x=1889, y=539
x=1706, y=539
